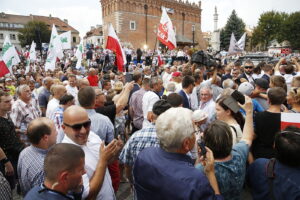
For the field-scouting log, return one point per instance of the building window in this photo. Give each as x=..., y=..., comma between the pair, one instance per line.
x=1, y=36
x=74, y=39
x=12, y=36
x=132, y=25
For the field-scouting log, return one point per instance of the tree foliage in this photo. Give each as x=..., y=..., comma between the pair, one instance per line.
x=270, y=27
x=34, y=30
x=291, y=30
x=234, y=25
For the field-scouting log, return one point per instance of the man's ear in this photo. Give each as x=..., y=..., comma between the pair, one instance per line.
x=186, y=144
x=63, y=126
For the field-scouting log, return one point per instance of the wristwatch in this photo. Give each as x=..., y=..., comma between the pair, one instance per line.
x=4, y=160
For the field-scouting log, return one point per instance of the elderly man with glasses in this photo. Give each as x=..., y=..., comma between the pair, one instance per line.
x=97, y=181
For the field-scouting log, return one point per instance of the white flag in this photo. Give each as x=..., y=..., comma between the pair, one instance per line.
x=32, y=53
x=9, y=54
x=54, y=50
x=78, y=54
x=242, y=41
x=165, y=32
x=233, y=47
x=65, y=39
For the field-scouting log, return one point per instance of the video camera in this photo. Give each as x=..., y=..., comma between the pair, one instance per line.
x=202, y=58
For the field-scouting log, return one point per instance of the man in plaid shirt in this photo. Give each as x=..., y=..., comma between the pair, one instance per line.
x=24, y=110
x=142, y=139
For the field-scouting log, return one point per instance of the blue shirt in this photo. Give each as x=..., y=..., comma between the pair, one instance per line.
x=44, y=98
x=31, y=168
x=101, y=125
x=231, y=174
x=286, y=184
x=40, y=192
x=162, y=175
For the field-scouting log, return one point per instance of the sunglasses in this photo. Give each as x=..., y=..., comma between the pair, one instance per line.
x=248, y=67
x=78, y=127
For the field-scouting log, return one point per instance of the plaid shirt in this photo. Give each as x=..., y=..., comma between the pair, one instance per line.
x=137, y=142
x=22, y=114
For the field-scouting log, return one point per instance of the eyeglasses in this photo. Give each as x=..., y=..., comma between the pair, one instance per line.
x=248, y=67
x=77, y=127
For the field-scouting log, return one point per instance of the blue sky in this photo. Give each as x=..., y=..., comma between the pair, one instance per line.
x=84, y=14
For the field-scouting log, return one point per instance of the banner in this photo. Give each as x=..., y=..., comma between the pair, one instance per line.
x=65, y=39
x=78, y=54
x=9, y=54
x=289, y=119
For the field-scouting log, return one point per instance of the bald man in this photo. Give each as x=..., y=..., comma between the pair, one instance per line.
x=97, y=180
x=57, y=91
x=82, y=83
x=42, y=134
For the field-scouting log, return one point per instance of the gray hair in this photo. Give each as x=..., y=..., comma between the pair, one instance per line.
x=173, y=126
x=47, y=79
x=171, y=87
x=228, y=83
x=154, y=80
x=20, y=89
x=207, y=88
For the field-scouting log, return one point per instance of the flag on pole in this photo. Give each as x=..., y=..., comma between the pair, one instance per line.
x=113, y=43
x=159, y=58
x=9, y=55
x=241, y=43
x=3, y=69
x=65, y=39
x=166, y=33
x=54, y=51
x=78, y=54
x=289, y=119
x=32, y=53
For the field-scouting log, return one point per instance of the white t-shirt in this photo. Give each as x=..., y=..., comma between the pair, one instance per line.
x=149, y=99
x=72, y=90
x=92, y=155
x=51, y=107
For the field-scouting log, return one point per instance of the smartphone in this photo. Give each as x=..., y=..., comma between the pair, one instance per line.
x=202, y=147
x=232, y=104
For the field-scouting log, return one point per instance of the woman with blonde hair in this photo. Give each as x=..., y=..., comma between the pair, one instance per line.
x=293, y=99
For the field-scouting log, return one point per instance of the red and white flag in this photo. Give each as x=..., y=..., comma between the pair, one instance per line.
x=289, y=119
x=3, y=69
x=165, y=32
x=159, y=58
x=113, y=43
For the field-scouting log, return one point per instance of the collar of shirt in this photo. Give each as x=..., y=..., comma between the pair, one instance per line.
x=175, y=156
x=90, y=111
x=39, y=150
x=23, y=104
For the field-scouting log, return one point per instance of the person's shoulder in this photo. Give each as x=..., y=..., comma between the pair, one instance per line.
x=34, y=193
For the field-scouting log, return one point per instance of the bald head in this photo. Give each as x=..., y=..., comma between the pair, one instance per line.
x=83, y=83
x=74, y=112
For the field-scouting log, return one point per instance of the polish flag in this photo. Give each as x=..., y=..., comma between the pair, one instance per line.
x=113, y=43
x=159, y=58
x=3, y=68
x=165, y=32
x=289, y=119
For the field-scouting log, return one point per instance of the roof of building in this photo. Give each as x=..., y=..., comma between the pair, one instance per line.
x=95, y=32
x=61, y=25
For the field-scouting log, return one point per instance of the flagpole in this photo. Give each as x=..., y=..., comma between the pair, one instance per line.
x=154, y=46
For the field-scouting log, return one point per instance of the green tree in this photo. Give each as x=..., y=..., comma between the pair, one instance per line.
x=234, y=25
x=34, y=30
x=270, y=26
x=291, y=29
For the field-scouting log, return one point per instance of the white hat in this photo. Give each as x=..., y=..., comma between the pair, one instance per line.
x=199, y=115
x=246, y=88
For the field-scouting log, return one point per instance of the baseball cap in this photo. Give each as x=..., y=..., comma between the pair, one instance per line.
x=176, y=74
x=246, y=88
x=261, y=82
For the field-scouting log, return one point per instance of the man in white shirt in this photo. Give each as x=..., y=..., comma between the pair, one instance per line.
x=58, y=91
x=97, y=181
x=149, y=99
x=167, y=75
x=207, y=105
x=71, y=87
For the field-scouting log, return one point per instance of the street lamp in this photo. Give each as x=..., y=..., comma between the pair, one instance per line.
x=146, y=19
x=193, y=31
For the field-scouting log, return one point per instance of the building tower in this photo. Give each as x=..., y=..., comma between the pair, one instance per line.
x=215, y=40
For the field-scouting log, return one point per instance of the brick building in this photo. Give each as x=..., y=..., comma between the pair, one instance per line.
x=136, y=21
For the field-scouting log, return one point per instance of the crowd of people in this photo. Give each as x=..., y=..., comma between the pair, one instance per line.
x=172, y=131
